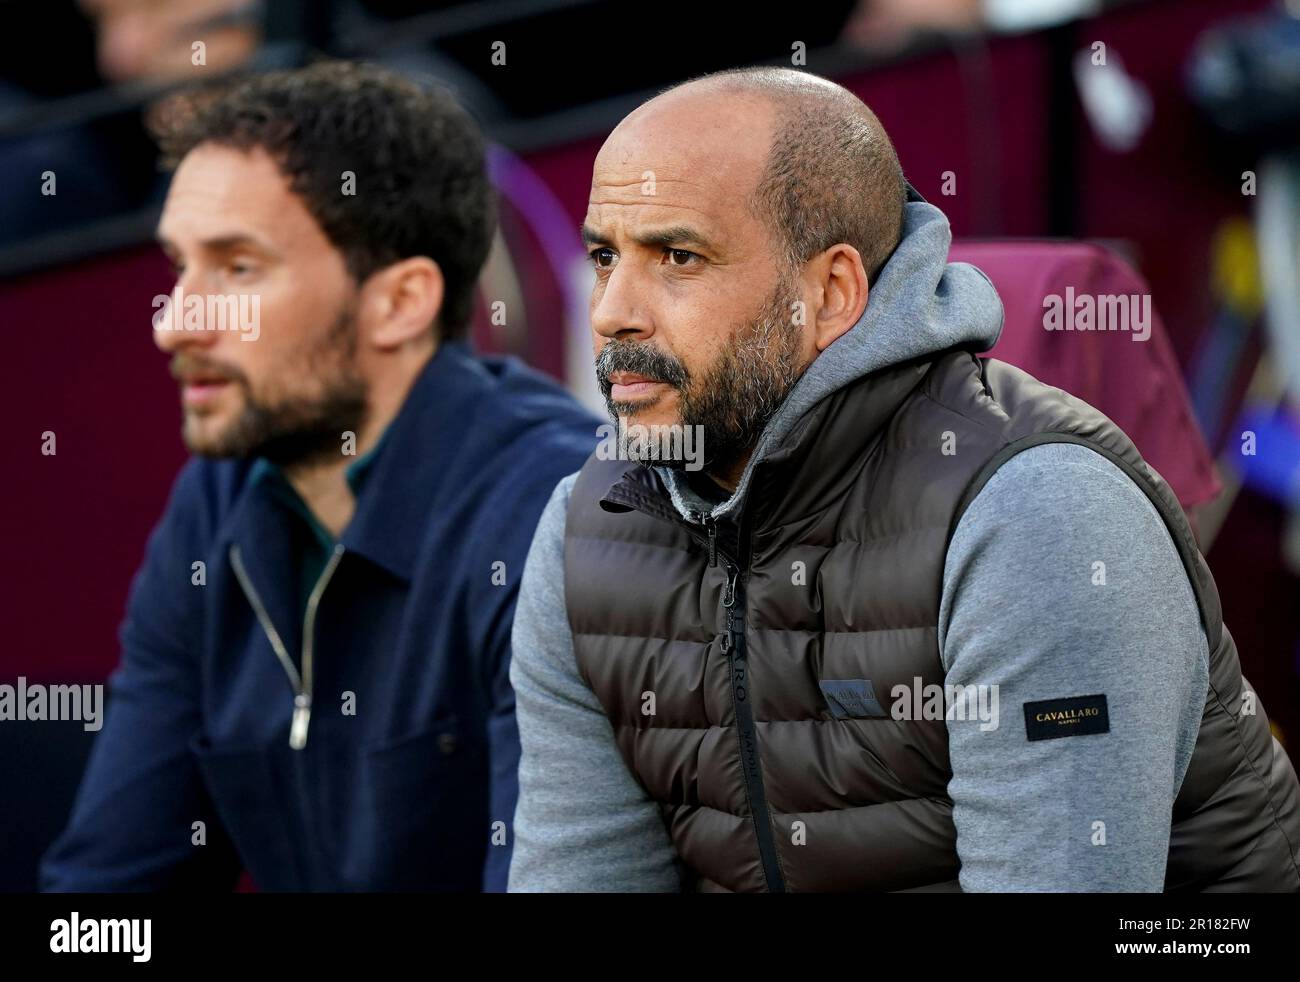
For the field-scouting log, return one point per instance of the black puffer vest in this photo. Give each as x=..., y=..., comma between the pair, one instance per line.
x=706, y=652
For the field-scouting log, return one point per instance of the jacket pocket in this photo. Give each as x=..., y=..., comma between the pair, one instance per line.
x=421, y=818
x=246, y=793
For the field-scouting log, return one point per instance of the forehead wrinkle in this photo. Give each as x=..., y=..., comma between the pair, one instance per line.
x=603, y=192
x=636, y=181
x=650, y=204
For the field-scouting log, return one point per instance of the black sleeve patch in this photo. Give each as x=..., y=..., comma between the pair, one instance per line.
x=1075, y=716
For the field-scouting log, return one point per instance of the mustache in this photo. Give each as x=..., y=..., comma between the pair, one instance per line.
x=640, y=358
x=185, y=366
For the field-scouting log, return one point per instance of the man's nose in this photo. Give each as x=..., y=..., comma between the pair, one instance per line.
x=621, y=310
x=169, y=333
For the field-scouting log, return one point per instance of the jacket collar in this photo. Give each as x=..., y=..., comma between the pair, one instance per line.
x=407, y=478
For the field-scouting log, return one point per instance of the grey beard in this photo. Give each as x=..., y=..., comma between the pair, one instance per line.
x=746, y=387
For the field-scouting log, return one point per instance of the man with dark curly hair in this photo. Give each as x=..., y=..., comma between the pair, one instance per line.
x=314, y=683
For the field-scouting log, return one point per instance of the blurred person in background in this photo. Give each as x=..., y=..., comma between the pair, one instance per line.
x=313, y=685
x=153, y=40
x=888, y=26
x=105, y=167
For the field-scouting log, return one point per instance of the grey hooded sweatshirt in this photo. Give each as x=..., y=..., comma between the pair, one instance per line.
x=1061, y=580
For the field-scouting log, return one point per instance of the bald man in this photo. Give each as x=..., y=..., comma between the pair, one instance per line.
x=907, y=619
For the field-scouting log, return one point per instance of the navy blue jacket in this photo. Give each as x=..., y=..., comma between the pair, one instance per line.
x=411, y=788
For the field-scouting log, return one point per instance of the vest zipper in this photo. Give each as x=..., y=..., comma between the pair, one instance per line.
x=302, y=684
x=738, y=669
x=711, y=526
x=733, y=646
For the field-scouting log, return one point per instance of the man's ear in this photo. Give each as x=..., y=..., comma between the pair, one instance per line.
x=840, y=280
x=398, y=303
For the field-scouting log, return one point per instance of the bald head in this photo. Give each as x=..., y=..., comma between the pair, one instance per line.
x=734, y=224
x=828, y=172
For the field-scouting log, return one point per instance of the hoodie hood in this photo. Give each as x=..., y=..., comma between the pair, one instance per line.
x=920, y=304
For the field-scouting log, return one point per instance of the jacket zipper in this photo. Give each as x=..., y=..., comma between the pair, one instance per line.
x=734, y=647
x=302, y=684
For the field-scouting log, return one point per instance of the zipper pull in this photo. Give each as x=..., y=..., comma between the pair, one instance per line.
x=301, y=718
x=731, y=640
x=729, y=595
x=711, y=526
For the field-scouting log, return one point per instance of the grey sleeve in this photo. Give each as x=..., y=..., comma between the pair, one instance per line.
x=1061, y=580
x=582, y=822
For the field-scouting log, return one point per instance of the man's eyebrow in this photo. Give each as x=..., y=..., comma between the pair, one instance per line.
x=672, y=237
x=223, y=243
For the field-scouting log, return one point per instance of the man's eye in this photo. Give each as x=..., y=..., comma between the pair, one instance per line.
x=681, y=257
x=241, y=268
x=601, y=258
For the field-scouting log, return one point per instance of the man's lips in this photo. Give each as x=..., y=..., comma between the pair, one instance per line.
x=198, y=390
x=630, y=385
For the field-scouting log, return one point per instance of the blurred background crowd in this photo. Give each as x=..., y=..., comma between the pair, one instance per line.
x=1164, y=132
